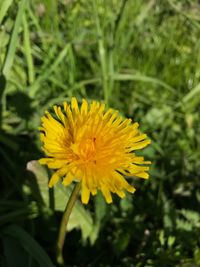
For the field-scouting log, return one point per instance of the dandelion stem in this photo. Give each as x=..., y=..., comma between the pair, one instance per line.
x=64, y=222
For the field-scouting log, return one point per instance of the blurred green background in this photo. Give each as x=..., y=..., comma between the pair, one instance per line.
x=139, y=56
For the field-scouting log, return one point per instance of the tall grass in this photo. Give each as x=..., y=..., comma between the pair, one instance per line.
x=142, y=57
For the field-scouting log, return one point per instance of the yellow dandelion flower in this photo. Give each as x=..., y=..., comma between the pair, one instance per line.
x=92, y=146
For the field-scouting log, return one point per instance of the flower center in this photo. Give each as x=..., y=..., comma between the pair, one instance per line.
x=85, y=150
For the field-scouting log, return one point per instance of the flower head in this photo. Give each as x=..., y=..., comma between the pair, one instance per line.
x=93, y=146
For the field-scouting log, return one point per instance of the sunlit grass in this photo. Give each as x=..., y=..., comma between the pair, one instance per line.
x=141, y=57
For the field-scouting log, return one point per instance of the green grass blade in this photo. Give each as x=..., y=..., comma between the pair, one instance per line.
x=192, y=94
x=28, y=53
x=4, y=6
x=14, y=39
x=29, y=244
x=102, y=53
x=19, y=215
x=36, y=85
x=142, y=78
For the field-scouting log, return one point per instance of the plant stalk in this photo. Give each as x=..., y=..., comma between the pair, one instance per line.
x=64, y=222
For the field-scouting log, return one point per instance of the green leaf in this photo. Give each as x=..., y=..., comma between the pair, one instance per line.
x=192, y=99
x=40, y=190
x=14, y=39
x=27, y=50
x=4, y=6
x=142, y=78
x=15, y=255
x=79, y=218
x=19, y=214
x=191, y=216
x=48, y=71
x=183, y=225
x=171, y=240
x=29, y=245
x=162, y=237
x=100, y=213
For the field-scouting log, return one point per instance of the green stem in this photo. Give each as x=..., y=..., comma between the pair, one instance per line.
x=65, y=219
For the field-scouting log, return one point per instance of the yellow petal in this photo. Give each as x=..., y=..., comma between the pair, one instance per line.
x=139, y=138
x=144, y=175
x=120, y=193
x=74, y=104
x=85, y=193
x=54, y=179
x=59, y=114
x=68, y=179
x=140, y=145
x=94, y=191
x=130, y=188
x=106, y=194
x=84, y=107
x=57, y=163
x=43, y=161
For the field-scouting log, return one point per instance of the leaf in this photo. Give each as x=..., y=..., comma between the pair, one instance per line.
x=171, y=240
x=183, y=225
x=2, y=85
x=79, y=218
x=48, y=71
x=14, y=39
x=9, y=142
x=15, y=255
x=100, y=207
x=27, y=50
x=191, y=216
x=29, y=245
x=41, y=191
x=192, y=94
x=142, y=78
x=192, y=99
x=162, y=237
x=19, y=214
x=4, y=6
x=100, y=213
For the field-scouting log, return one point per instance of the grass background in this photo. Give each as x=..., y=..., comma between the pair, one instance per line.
x=141, y=57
